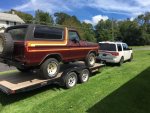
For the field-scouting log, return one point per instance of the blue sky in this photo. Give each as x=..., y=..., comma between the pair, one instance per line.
x=90, y=11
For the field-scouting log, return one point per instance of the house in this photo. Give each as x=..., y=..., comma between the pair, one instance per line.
x=7, y=20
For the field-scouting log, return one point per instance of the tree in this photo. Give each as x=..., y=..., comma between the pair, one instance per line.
x=85, y=30
x=43, y=17
x=104, y=30
x=27, y=18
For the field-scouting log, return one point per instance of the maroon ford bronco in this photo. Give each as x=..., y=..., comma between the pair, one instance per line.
x=41, y=47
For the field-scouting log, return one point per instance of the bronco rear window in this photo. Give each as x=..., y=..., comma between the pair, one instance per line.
x=107, y=47
x=48, y=33
x=18, y=33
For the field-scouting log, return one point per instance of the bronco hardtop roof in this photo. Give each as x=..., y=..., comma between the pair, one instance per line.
x=53, y=26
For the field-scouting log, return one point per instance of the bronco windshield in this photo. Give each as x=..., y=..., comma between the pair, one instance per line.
x=107, y=47
x=17, y=33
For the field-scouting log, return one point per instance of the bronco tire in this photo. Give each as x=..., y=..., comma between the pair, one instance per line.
x=90, y=60
x=50, y=68
x=6, y=45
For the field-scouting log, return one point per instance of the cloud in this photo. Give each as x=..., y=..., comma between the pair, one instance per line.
x=132, y=7
x=96, y=19
x=128, y=7
x=46, y=5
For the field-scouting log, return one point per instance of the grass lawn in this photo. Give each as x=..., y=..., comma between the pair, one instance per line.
x=123, y=89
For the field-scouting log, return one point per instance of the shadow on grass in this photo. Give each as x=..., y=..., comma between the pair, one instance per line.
x=133, y=97
x=8, y=99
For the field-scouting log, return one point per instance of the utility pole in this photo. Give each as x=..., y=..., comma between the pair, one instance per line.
x=112, y=26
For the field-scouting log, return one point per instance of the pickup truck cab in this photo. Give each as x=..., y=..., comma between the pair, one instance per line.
x=114, y=52
x=43, y=47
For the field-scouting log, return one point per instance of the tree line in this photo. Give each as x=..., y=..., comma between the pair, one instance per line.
x=135, y=32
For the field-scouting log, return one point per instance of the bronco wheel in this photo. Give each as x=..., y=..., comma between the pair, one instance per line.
x=84, y=75
x=90, y=60
x=50, y=68
x=6, y=45
x=70, y=80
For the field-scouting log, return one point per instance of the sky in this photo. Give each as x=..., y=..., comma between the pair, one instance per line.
x=90, y=11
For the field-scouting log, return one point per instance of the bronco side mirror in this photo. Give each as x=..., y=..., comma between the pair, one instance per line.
x=75, y=40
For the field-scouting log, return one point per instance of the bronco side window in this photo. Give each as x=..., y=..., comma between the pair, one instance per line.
x=73, y=35
x=48, y=33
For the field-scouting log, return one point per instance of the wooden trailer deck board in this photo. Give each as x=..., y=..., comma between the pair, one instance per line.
x=17, y=80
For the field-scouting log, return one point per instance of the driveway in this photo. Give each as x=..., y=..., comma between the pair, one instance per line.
x=4, y=67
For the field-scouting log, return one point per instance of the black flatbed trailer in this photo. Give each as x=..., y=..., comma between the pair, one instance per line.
x=21, y=82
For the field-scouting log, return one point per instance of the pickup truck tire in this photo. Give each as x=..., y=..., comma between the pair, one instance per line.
x=70, y=80
x=121, y=61
x=6, y=45
x=131, y=58
x=90, y=60
x=84, y=76
x=50, y=68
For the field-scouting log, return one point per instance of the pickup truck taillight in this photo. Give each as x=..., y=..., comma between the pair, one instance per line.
x=115, y=53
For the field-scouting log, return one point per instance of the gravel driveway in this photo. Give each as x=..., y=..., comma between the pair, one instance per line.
x=4, y=67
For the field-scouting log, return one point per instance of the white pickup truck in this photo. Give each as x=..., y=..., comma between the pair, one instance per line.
x=114, y=52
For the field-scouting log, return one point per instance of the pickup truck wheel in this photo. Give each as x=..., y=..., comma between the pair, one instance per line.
x=70, y=80
x=6, y=45
x=24, y=70
x=90, y=60
x=131, y=58
x=50, y=68
x=84, y=76
x=121, y=61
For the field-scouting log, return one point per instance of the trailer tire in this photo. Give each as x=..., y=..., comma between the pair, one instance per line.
x=50, y=68
x=84, y=76
x=6, y=45
x=70, y=80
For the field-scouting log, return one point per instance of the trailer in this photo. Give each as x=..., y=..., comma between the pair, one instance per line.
x=68, y=76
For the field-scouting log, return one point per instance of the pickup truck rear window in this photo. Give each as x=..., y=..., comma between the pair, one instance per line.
x=107, y=47
x=18, y=33
x=48, y=33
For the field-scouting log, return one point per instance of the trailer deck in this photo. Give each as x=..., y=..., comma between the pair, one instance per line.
x=18, y=82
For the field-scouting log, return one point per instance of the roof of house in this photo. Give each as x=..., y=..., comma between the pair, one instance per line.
x=10, y=17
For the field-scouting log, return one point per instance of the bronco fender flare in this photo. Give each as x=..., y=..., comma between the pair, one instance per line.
x=58, y=56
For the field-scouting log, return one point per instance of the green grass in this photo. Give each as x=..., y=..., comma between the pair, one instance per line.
x=123, y=89
x=139, y=47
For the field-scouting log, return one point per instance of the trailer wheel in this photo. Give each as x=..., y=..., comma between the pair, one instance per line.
x=90, y=60
x=50, y=68
x=84, y=76
x=70, y=80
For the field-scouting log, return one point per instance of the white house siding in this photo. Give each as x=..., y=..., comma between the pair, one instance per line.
x=7, y=20
x=4, y=25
